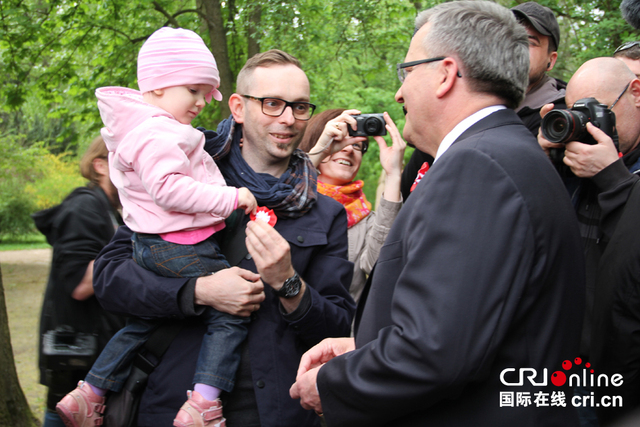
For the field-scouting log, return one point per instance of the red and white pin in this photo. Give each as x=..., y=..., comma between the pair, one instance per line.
x=265, y=214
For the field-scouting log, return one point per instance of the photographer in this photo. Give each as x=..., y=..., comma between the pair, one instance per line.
x=338, y=155
x=607, y=199
x=77, y=230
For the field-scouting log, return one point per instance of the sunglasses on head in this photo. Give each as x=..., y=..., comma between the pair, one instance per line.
x=625, y=46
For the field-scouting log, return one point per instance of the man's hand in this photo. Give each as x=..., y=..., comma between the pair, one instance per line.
x=272, y=256
x=305, y=387
x=271, y=253
x=324, y=351
x=306, y=390
x=232, y=290
x=587, y=160
x=84, y=290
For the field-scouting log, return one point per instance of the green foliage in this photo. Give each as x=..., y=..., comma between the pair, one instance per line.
x=31, y=178
x=18, y=167
x=61, y=177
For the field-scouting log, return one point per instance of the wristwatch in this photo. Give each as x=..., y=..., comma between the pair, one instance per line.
x=291, y=287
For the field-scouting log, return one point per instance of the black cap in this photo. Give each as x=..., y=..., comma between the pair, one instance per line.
x=541, y=18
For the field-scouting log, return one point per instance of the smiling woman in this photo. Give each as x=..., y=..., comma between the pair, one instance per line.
x=338, y=157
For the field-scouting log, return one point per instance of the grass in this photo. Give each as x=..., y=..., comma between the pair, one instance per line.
x=27, y=241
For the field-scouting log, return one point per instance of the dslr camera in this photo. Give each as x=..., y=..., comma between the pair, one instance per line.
x=562, y=126
x=64, y=349
x=368, y=125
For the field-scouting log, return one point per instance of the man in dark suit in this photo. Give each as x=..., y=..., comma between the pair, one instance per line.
x=481, y=277
x=544, y=38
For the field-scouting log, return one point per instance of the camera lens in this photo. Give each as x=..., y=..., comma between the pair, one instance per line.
x=559, y=126
x=562, y=126
x=372, y=126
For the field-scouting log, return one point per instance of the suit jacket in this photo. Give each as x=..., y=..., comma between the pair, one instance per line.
x=481, y=271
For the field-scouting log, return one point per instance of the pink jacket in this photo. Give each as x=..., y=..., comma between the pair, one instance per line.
x=165, y=179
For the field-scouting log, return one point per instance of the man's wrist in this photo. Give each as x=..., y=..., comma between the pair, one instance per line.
x=290, y=288
x=187, y=299
x=611, y=176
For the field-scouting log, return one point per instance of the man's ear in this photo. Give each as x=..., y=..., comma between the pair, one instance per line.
x=236, y=105
x=447, y=73
x=552, y=61
x=634, y=89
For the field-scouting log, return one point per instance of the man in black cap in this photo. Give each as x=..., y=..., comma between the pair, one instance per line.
x=544, y=38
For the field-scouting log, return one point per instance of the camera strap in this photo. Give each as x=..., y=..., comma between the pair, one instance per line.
x=157, y=344
x=122, y=407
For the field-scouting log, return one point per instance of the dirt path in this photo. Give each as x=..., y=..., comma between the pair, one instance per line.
x=24, y=275
x=29, y=256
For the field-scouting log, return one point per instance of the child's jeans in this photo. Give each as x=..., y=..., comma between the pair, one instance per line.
x=173, y=260
x=219, y=356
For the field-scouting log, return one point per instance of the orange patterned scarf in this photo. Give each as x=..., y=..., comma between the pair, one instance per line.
x=351, y=197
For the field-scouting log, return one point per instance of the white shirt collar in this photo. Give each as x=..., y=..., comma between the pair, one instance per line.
x=465, y=124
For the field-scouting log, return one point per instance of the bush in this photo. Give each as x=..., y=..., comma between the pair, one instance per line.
x=61, y=176
x=31, y=178
x=18, y=166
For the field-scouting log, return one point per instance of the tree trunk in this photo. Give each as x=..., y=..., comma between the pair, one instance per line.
x=14, y=409
x=253, y=41
x=218, y=36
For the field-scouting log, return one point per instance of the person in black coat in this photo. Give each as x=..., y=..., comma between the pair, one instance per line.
x=481, y=276
x=606, y=201
x=77, y=230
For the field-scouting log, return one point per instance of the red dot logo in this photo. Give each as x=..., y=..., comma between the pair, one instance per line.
x=566, y=365
x=578, y=361
x=587, y=365
x=558, y=378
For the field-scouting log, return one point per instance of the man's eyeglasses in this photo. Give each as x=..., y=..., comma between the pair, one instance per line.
x=402, y=68
x=625, y=46
x=620, y=96
x=274, y=107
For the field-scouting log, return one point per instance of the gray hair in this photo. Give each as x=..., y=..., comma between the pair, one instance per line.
x=487, y=39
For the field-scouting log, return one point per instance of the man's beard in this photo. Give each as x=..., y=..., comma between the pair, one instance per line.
x=535, y=79
x=293, y=144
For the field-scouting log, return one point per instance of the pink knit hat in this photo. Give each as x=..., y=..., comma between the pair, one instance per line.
x=177, y=57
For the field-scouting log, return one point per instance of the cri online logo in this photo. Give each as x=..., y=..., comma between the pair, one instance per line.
x=559, y=378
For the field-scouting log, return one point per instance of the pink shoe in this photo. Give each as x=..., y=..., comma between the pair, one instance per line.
x=81, y=408
x=199, y=412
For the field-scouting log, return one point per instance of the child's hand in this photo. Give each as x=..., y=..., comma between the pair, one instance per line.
x=246, y=201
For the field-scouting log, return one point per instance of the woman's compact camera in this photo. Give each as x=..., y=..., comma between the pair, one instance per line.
x=368, y=125
x=562, y=126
